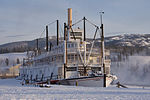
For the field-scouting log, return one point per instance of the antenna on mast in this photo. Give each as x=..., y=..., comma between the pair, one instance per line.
x=101, y=15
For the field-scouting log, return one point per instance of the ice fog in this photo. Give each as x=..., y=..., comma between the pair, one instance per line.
x=133, y=70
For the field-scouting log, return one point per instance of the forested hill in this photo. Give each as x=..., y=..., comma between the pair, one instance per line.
x=126, y=40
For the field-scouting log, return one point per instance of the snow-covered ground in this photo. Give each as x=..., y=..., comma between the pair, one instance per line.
x=11, y=89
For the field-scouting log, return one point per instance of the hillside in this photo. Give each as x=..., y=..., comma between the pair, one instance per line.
x=23, y=46
x=126, y=40
x=131, y=40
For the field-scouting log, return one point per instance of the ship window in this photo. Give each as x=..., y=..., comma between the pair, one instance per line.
x=107, y=57
x=72, y=45
x=76, y=34
x=68, y=45
x=71, y=68
x=107, y=70
x=76, y=57
x=75, y=45
x=72, y=57
x=47, y=59
x=91, y=61
x=68, y=56
x=40, y=71
x=76, y=38
x=98, y=60
x=95, y=69
x=87, y=57
x=54, y=58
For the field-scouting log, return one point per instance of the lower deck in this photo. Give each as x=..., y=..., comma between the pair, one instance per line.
x=45, y=72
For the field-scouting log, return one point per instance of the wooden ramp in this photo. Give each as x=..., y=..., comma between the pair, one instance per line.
x=120, y=85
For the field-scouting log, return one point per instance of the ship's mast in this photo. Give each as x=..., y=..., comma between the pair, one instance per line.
x=46, y=38
x=84, y=45
x=57, y=32
x=103, y=49
x=65, y=49
x=84, y=28
x=37, y=46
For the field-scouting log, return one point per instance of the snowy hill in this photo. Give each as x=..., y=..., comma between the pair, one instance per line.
x=22, y=46
x=132, y=40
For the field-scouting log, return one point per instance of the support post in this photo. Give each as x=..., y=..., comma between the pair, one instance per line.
x=85, y=72
x=84, y=45
x=57, y=32
x=103, y=49
x=50, y=48
x=103, y=54
x=46, y=38
x=104, y=79
x=37, y=44
x=65, y=49
x=37, y=48
x=84, y=28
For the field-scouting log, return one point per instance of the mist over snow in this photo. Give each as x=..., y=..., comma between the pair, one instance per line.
x=12, y=59
x=134, y=70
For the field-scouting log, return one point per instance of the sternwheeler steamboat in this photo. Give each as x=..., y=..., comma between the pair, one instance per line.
x=71, y=61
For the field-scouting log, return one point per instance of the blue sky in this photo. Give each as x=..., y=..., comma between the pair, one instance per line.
x=26, y=19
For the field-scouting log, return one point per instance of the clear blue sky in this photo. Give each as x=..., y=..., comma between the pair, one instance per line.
x=26, y=19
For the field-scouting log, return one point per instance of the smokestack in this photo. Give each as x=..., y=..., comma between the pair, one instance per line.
x=69, y=17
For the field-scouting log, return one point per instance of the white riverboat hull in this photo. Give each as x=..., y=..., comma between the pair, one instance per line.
x=96, y=81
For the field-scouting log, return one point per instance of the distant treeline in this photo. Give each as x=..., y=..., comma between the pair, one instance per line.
x=120, y=53
x=16, y=49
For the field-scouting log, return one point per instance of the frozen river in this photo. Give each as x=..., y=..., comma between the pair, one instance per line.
x=11, y=89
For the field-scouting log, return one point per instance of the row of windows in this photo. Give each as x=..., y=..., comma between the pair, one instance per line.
x=70, y=57
x=71, y=45
x=76, y=34
x=77, y=38
x=49, y=59
x=58, y=58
